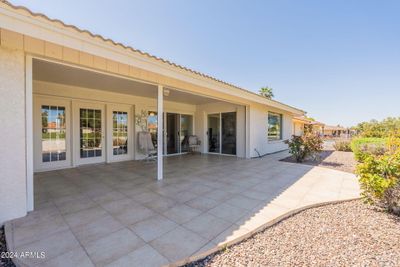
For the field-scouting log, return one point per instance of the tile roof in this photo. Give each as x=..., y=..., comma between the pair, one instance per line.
x=302, y=119
x=334, y=128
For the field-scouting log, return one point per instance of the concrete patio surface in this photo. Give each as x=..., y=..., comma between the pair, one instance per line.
x=119, y=215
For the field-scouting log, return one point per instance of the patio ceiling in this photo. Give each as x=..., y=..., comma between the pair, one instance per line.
x=63, y=74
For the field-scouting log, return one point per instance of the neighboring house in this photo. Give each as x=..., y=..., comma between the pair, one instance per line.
x=69, y=97
x=299, y=123
x=334, y=131
x=318, y=127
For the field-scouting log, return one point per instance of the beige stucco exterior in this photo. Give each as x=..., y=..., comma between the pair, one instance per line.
x=298, y=128
x=24, y=36
x=12, y=135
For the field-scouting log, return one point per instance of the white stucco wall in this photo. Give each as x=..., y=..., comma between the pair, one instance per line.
x=259, y=131
x=12, y=135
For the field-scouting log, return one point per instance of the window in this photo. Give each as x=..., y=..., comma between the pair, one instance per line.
x=274, y=126
x=53, y=133
x=152, y=126
x=120, y=133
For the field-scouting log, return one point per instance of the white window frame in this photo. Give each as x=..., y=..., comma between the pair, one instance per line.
x=280, y=128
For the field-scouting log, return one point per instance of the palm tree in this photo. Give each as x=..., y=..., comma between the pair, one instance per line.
x=266, y=92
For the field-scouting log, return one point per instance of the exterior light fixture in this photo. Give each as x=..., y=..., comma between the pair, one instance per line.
x=166, y=92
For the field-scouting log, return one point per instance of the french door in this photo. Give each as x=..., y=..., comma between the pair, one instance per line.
x=221, y=133
x=89, y=133
x=52, y=133
x=119, y=132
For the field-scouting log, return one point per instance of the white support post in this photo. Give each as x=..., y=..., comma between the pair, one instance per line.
x=160, y=134
x=29, y=133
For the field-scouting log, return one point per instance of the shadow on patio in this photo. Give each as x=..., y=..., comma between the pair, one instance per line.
x=118, y=214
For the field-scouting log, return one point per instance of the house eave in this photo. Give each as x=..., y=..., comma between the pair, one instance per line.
x=22, y=20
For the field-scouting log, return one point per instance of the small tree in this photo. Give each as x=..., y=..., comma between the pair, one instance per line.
x=266, y=92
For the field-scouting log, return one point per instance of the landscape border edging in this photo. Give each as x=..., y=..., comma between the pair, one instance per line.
x=257, y=230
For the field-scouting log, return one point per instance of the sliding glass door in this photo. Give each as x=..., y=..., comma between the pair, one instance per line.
x=228, y=130
x=178, y=129
x=214, y=124
x=222, y=133
x=185, y=132
x=172, y=135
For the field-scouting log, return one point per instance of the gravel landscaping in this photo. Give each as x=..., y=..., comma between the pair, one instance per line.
x=4, y=262
x=337, y=160
x=345, y=234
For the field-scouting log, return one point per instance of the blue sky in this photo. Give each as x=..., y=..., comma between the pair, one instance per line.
x=338, y=60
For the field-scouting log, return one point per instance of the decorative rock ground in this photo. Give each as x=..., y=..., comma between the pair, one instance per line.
x=337, y=160
x=345, y=234
x=4, y=262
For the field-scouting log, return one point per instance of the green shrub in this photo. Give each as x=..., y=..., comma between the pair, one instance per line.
x=342, y=145
x=304, y=146
x=367, y=146
x=374, y=128
x=379, y=177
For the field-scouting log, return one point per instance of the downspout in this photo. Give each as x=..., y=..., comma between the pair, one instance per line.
x=266, y=154
x=258, y=153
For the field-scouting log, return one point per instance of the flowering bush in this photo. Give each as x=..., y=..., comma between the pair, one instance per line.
x=379, y=177
x=304, y=146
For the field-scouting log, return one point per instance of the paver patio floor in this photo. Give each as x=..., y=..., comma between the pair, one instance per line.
x=119, y=215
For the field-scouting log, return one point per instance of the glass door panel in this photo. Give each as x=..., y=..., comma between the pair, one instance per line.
x=214, y=133
x=89, y=133
x=51, y=136
x=228, y=131
x=172, y=123
x=120, y=133
x=152, y=122
x=185, y=131
x=54, y=146
x=90, y=129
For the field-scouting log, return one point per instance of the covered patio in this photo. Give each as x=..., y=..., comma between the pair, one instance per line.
x=81, y=116
x=117, y=214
